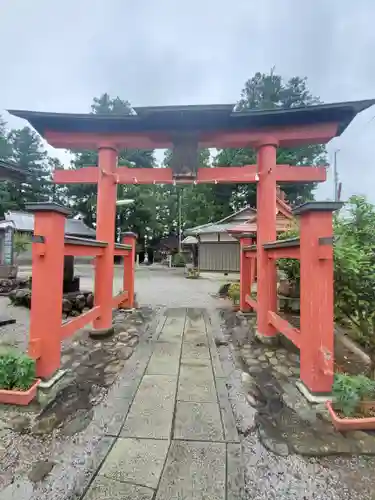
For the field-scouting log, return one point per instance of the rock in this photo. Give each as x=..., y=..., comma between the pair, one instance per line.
x=365, y=443
x=274, y=444
x=85, y=310
x=79, y=422
x=220, y=342
x=133, y=341
x=262, y=358
x=124, y=336
x=273, y=361
x=80, y=302
x=113, y=367
x=75, y=313
x=124, y=353
x=67, y=306
x=322, y=411
x=282, y=370
x=251, y=400
x=90, y=300
x=22, y=297
x=20, y=423
x=309, y=444
x=45, y=425
x=12, y=295
x=269, y=354
x=3, y=452
x=40, y=470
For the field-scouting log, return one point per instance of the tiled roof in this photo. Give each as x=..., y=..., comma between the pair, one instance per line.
x=24, y=221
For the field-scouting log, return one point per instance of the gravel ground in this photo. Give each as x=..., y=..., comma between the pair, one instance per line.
x=267, y=476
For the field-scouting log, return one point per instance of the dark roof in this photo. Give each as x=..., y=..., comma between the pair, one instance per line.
x=194, y=118
x=24, y=221
x=12, y=172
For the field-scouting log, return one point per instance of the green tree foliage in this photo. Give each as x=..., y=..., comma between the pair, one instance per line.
x=24, y=148
x=270, y=91
x=354, y=269
x=82, y=197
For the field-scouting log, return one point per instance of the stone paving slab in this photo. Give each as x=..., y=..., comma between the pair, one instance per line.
x=165, y=359
x=194, y=471
x=198, y=421
x=151, y=413
x=191, y=350
x=177, y=436
x=103, y=488
x=136, y=461
x=235, y=476
x=196, y=384
x=121, y=408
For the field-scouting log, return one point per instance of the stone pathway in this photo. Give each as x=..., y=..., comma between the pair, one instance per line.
x=178, y=439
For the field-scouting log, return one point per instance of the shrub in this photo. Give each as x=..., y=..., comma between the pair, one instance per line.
x=291, y=267
x=178, y=260
x=234, y=292
x=349, y=390
x=21, y=242
x=17, y=371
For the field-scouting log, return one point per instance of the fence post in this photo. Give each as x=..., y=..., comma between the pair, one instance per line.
x=245, y=273
x=47, y=286
x=317, y=308
x=129, y=269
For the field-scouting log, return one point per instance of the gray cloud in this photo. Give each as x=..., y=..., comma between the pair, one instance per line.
x=57, y=55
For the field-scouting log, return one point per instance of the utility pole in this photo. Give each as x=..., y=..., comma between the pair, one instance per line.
x=336, y=176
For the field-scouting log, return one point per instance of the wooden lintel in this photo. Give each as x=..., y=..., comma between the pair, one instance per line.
x=83, y=250
x=284, y=253
x=286, y=136
x=84, y=175
x=216, y=175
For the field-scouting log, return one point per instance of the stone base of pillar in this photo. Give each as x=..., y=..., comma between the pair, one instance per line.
x=310, y=396
x=49, y=388
x=273, y=340
x=100, y=333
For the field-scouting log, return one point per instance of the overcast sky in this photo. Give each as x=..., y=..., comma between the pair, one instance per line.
x=57, y=55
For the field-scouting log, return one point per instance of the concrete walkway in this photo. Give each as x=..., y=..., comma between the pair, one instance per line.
x=178, y=439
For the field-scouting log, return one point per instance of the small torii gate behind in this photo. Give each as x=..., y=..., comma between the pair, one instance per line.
x=185, y=129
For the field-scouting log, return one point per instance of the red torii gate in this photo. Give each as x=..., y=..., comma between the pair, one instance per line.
x=185, y=128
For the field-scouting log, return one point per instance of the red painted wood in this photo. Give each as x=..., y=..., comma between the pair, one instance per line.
x=105, y=231
x=317, y=322
x=83, y=250
x=284, y=253
x=245, y=275
x=68, y=328
x=245, y=174
x=47, y=291
x=120, y=298
x=284, y=327
x=266, y=232
x=86, y=175
x=285, y=136
x=129, y=272
x=253, y=303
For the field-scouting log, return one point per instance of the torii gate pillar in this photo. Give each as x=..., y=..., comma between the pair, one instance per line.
x=105, y=231
x=266, y=232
